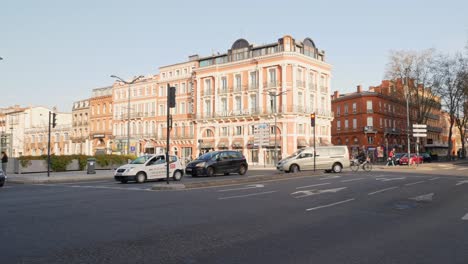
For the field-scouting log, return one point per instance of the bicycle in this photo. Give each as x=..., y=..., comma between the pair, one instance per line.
x=366, y=165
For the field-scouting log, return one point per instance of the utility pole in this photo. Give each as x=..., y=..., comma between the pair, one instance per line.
x=48, y=146
x=171, y=102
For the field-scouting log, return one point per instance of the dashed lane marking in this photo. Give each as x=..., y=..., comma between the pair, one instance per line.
x=383, y=190
x=350, y=180
x=414, y=183
x=246, y=195
x=313, y=185
x=330, y=205
x=433, y=179
x=465, y=217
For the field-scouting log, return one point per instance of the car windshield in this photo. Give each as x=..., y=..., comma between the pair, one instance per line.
x=207, y=156
x=295, y=154
x=140, y=160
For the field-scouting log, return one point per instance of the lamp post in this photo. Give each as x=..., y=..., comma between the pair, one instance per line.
x=273, y=96
x=128, y=106
x=407, y=118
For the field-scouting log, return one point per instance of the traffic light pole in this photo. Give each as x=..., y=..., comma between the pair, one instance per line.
x=168, y=132
x=48, y=147
x=312, y=124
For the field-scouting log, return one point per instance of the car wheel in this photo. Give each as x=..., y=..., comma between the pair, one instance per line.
x=124, y=181
x=209, y=171
x=140, y=177
x=1, y=184
x=226, y=173
x=177, y=176
x=242, y=170
x=294, y=168
x=337, y=168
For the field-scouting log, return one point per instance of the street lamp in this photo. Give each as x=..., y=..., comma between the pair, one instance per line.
x=128, y=108
x=407, y=118
x=273, y=103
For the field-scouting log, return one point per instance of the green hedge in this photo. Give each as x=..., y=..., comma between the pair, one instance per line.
x=60, y=163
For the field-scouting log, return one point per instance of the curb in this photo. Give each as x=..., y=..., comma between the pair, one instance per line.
x=11, y=179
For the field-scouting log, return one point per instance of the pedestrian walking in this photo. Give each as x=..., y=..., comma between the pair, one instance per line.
x=4, y=162
x=391, y=156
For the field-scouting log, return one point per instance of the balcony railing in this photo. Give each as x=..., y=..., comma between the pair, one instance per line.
x=271, y=84
x=139, y=115
x=369, y=129
x=300, y=84
x=223, y=91
x=253, y=87
x=392, y=131
x=434, y=129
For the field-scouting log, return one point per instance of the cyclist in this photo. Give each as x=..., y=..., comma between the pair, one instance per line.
x=361, y=156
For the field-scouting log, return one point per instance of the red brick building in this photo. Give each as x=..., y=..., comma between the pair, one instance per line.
x=377, y=120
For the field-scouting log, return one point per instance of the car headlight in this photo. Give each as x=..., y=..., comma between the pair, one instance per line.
x=130, y=169
x=201, y=164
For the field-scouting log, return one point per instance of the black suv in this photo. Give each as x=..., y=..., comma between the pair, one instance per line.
x=218, y=162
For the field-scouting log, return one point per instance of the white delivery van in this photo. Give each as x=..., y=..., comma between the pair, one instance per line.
x=328, y=158
x=149, y=167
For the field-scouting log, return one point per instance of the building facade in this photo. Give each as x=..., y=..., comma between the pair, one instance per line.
x=377, y=120
x=100, y=120
x=277, y=85
x=81, y=144
x=36, y=133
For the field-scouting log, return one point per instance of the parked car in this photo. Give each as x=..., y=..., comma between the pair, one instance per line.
x=414, y=159
x=426, y=157
x=149, y=167
x=328, y=158
x=2, y=178
x=218, y=162
x=397, y=158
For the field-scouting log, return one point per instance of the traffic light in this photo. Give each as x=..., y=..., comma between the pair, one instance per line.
x=54, y=120
x=312, y=119
x=171, y=97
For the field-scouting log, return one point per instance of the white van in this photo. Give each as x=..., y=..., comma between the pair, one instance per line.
x=328, y=158
x=149, y=167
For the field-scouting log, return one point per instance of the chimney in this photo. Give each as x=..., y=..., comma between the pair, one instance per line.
x=336, y=94
x=359, y=89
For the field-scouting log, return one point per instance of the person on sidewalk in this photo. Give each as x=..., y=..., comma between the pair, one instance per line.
x=4, y=162
x=391, y=157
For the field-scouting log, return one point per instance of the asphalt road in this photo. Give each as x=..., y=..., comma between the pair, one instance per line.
x=377, y=217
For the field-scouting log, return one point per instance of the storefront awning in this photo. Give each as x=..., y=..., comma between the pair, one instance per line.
x=238, y=143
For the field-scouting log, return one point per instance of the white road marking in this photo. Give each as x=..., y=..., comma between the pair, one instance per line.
x=460, y=169
x=253, y=186
x=68, y=183
x=423, y=198
x=350, y=180
x=7, y=187
x=383, y=190
x=390, y=179
x=330, y=205
x=461, y=182
x=414, y=183
x=433, y=179
x=246, y=195
x=465, y=217
x=313, y=185
x=106, y=187
x=329, y=177
x=315, y=192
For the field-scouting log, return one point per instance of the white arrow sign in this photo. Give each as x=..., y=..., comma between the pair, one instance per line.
x=419, y=130
x=315, y=192
x=423, y=198
x=465, y=217
x=461, y=182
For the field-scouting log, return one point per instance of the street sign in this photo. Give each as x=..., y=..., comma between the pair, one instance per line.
x=419, y=130
x=262, y=134
x=132, y=148
x=419, y=135
x=419, y=126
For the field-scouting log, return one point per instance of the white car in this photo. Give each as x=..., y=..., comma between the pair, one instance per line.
x=149, y=167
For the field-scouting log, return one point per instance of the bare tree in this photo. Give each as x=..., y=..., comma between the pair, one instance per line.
x=449, y=81
x=461, y=111
x=417, y=70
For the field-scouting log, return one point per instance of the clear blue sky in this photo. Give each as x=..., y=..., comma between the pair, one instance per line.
x=56, y=52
